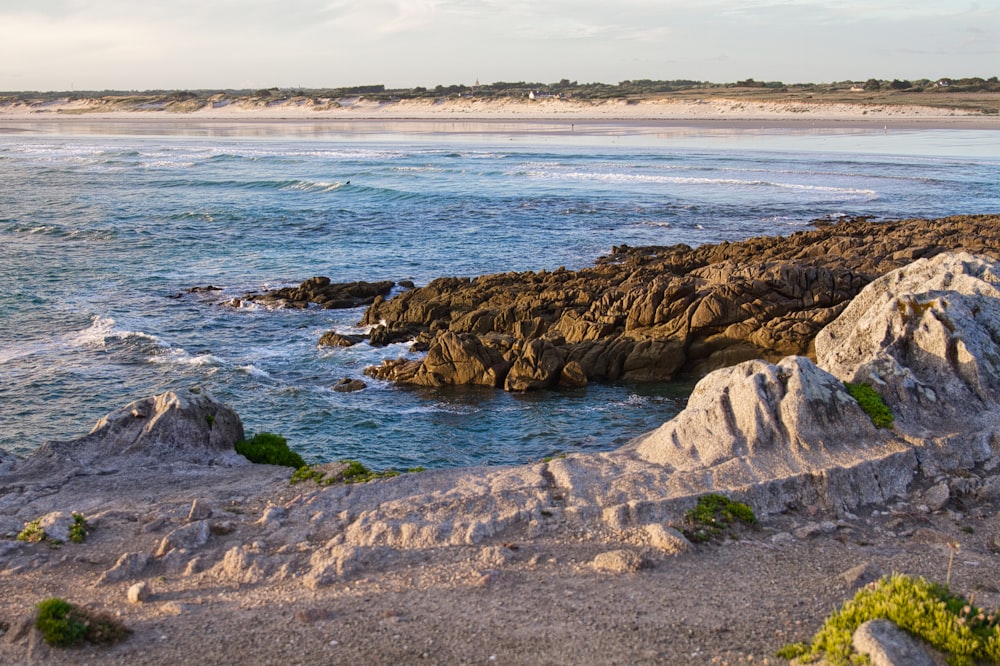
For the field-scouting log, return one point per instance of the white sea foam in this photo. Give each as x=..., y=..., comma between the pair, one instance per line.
x=103, y=329
x=253, y=371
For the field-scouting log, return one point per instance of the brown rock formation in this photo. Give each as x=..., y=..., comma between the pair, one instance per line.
x=320, y=291
x=651, y=313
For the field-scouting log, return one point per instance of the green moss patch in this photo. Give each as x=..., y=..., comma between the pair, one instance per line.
x=714, y=516
x=872, y=404
x=351, y=471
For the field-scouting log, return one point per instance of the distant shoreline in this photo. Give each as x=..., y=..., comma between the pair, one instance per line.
x=488, y=116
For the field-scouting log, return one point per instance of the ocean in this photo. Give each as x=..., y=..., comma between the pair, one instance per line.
x=105, y=226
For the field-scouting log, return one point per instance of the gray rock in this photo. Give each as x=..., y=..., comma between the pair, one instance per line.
x=187, y=426
x=200, y=510
x=859, y=576
x=926, y=337
x=888, y=645
x=936, y=497
x=666, y=539
x=618, y=561
x=128, y=566
x=139, y=592
x=241, y=565
x=56, y=525
x=187, y=537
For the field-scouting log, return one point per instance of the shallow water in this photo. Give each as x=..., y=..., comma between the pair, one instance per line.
x=101, y=224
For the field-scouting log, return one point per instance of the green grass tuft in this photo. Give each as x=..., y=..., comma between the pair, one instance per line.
x=269, y=449
x=872, y=404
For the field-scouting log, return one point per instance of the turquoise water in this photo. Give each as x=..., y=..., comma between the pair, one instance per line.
x=103, y=225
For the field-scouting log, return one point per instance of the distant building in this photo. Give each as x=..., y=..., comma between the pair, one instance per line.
x=857, y=88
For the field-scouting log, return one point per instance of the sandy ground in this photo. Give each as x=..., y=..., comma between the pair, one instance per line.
x=516, y=600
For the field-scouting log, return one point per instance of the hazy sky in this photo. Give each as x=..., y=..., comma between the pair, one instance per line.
x=178, y=44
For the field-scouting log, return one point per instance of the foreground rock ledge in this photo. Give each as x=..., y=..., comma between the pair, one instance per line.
x=653, y=313
x=173, y=501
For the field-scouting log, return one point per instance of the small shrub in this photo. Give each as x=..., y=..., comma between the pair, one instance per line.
x=79, y=530
x=872, y=404
x=60, y=623
x=63, y=624
x=269, y=449
x=32, y=532
x=713, y=515
x=928, y=611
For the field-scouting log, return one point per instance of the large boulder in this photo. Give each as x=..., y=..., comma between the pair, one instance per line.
x=927, y=338
x=186, y=426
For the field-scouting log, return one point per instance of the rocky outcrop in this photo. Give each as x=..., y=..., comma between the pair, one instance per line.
x=188, y=426
x=757, y=421
x=927, y=337
x=650, y=314
x=321, y=292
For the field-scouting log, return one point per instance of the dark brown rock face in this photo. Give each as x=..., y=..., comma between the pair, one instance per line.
x=323, y=293
x=652, y=313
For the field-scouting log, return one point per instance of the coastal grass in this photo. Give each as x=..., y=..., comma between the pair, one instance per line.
x=872, y=404
x=928, y=611
x=64, y=625
x=267, y=448
x=714, y=516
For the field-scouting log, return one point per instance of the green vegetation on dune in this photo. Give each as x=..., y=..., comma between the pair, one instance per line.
x=950, y=92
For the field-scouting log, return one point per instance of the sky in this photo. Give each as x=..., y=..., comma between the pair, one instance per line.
x=249, y=44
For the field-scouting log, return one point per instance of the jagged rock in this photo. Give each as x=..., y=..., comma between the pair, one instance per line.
x=885, y=644
x=129, y=565
x=188, y=426
x=348, y=385
x=538, y=366
x=572, y=375
x=460, y=359
x=649, y=314
x=320, y=291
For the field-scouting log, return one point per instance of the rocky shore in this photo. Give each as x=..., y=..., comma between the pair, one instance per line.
x=653, y=313
x=581, y=559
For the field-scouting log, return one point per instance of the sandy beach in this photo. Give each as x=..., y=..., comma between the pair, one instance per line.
x=498, y=115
